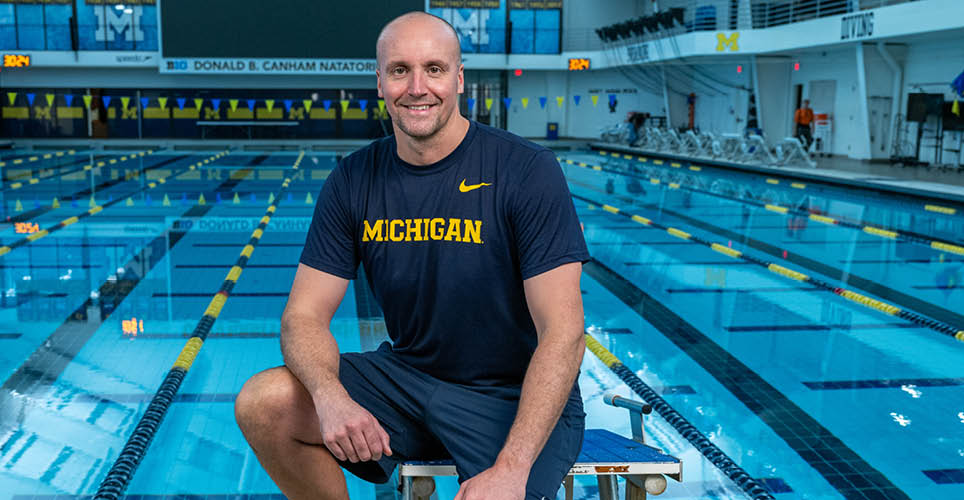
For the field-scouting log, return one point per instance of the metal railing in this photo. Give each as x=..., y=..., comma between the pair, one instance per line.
x=719, y=15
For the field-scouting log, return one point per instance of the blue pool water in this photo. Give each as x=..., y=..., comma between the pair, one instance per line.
x=813, y=394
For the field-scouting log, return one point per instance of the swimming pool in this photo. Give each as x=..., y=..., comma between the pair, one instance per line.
x=813, y=393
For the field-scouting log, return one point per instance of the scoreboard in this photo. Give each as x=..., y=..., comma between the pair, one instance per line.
x=260, y=29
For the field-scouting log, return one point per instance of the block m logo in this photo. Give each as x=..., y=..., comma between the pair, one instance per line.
x=129, y=114
x=715, y=276
x=212, y=114
x=112, y=22
x=722, y=41
x=42, y=113
x=296, y=113
x=472, y=27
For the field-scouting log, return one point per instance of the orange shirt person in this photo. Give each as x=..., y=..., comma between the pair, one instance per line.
x=803, y=118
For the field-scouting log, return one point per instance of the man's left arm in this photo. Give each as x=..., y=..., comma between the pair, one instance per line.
x=555, y=303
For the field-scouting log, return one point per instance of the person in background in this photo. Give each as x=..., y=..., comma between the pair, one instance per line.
x=803, y=118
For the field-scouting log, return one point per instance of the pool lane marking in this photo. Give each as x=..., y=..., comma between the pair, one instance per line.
x=95, y=210
x=869, y=229
x=121, y=473
x=939, y=209
x=18, y=161
x=688, y=431
x=956, y=332
x=25, y=174
x=43, y=367
x=799, y=185
x=801, y=432
x=43, y=209
x=89, y=166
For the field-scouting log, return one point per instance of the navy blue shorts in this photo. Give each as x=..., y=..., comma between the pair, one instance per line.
x=428, y=419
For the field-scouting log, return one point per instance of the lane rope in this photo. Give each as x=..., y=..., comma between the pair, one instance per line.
x=95, y=208
x=121, y=473
x=884, y=307
x=90, y=166
x=713, y=453
x=868, y=228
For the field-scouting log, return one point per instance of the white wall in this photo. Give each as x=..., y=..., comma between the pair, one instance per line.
x=847, y=116
x=584, y=120
x=773, y=97
x=721, y=106
x=931, y=67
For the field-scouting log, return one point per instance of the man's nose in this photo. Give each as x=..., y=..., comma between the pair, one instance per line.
x=416, y=84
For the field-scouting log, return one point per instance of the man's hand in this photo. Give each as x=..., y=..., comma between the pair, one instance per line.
x=349, y=431
x=496, y=483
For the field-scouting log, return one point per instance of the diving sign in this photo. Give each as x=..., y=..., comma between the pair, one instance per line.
x=16, y=61
x=578, y=63
x=857, y=26
x=723, y=41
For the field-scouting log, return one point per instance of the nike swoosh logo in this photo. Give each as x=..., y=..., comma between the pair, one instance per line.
x=466, y=188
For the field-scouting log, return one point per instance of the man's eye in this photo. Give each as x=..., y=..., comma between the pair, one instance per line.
x=435, y=69
x=398, y=71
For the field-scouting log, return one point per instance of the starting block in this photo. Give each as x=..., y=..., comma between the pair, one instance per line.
x=604, y=454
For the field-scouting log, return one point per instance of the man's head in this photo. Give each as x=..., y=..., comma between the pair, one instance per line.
x=419, y=73
x=806, y=103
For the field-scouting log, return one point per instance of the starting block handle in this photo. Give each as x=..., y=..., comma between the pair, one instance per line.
x=636, y=411
x=630, y=404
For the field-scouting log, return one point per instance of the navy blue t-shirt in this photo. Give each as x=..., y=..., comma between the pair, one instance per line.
x=446, y=247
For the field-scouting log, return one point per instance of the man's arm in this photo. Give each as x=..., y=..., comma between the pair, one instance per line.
x=555, y=302
x=311, y=353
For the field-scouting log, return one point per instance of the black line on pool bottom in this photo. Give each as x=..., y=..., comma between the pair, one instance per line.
x=816, y=327
x=178, y=496
x=945, y=476
x=235, y=245
x=187, y=335
x=208, y=294
x=771, y=289
x=826, y=453
x=883, y=383
x=229, y=266
x=46, y=363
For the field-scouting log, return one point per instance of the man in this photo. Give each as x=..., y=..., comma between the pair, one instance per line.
x=471, y=246
x=803, y=118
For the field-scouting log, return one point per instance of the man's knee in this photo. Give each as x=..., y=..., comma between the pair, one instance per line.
x=267, y=399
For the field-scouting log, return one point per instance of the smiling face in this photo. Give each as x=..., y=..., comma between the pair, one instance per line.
x=420, y=75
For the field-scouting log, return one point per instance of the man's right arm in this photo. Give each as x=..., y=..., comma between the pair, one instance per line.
x=311, y=353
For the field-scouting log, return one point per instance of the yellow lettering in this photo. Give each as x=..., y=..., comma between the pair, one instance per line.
x=413, y=227
x=438, y=229
x=373, y=233
x=473, y=231
x=455, y=226
x=723, y=41
x=392, y=234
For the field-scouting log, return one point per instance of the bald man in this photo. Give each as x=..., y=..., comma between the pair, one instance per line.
x=472, y=248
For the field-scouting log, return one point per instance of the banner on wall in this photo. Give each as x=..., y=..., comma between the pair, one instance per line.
x=535, y=4
x=464, y=4
x=270, y=66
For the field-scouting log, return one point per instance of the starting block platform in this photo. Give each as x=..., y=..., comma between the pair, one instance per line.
x=604, y=454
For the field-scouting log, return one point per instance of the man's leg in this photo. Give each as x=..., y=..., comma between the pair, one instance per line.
x=278, y=419
x=473, y=427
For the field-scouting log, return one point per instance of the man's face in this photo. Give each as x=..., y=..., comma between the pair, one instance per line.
x=420, y=77
x=806, y=103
